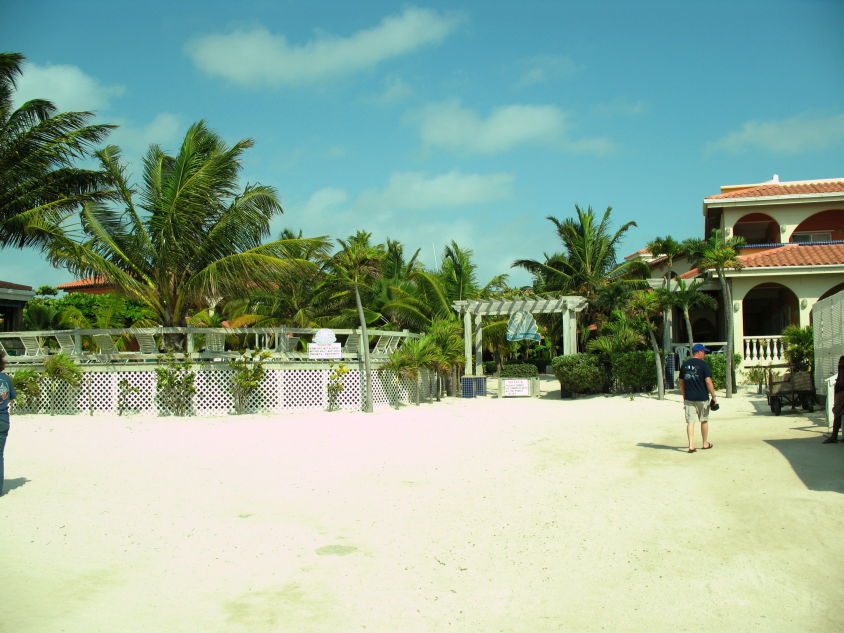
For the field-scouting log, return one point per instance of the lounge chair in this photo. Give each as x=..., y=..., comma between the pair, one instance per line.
x=67, y=343
x=352, y=347
x=147, y=344
x=32, y=346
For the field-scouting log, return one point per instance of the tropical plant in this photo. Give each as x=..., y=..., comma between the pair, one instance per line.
x=636, y=371
x=334, y=387
x=756, y=376
x=718, y=367
x=249, y=372
x=28, y=386
x=124, y=392
x=720, y=254
x=589, y=262
x=648, y=307
x=519, y=370
x=669, y=248
x=447, y=341
x=686, y=297
x=176, y=385
x=188, y=238
x=799, y=347
x=410, y=359
x=580, y=373
x=60, y=368
x=354, y=267
x=40, y=182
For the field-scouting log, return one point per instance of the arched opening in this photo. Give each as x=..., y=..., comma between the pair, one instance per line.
x=821, y=227
x=832, y=291
x=757, y=228
x=768, y=309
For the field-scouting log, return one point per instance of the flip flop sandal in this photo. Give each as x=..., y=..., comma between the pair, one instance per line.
x=706, y=448
x=693, y=450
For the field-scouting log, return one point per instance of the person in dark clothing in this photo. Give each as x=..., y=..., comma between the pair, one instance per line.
x=698, y=394
x=7, y=394
x=837, y=404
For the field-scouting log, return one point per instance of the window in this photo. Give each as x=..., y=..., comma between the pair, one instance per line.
x=805, y=238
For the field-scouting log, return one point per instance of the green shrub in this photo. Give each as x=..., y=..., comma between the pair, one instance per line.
x=490, y=366
x=718, y=367
x=519, y=370
x=176, y=385
x=249, y=372
x=634, y=371
x=28, y=385
x=580, y=373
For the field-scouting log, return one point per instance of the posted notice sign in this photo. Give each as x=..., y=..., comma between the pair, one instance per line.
x=516, y=387
x=324, y=350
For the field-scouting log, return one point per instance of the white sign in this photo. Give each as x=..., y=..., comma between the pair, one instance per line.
x=516, y=387
x=324, y=350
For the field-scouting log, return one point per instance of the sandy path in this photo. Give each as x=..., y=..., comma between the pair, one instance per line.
x=470, y=515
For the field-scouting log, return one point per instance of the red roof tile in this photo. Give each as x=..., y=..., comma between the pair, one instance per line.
x=796, y=255
x=88, y=282
x=784, y=189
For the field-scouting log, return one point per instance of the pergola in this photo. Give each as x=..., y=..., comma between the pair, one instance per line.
x=568, y=306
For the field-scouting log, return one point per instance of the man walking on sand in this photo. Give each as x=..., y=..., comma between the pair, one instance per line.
x=698, y=393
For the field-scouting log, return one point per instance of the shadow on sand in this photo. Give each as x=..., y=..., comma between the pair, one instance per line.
x=662, y=447
x=819, y=466
x=17, y=482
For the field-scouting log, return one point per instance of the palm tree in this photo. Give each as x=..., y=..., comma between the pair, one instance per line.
x=355, y=266
x=192, y=239
x=720, y=254
x=648, y=307
x=39, y=182
x=686, y=297
x=446, y=337
x=669, y=248
x=588, y=263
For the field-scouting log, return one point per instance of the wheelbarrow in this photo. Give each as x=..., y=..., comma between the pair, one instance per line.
x=791, y=387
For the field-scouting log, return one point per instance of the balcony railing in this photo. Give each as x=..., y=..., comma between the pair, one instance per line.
x=763, y=350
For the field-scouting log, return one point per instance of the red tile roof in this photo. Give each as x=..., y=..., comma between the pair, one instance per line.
x=88, y=282
x=795, y=255
x=784, y=189
x=8, y=285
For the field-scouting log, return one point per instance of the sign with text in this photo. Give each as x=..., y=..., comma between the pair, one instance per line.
x=516, y=387
x=318, y=351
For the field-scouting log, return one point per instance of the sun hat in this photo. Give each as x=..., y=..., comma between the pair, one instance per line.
x=700, y=347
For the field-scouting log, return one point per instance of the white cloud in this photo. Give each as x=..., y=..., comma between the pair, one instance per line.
x=418, y=191
x=543, y=68
x=395, y=91
x=795, y=135
x=322, y=204
x=259, y=57
x=165, y=129
x=449, y=125
x=68, y=87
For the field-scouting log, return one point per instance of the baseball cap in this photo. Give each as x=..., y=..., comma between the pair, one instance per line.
x=700, y=347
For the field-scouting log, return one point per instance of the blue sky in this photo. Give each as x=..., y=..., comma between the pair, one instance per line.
x=466, y=121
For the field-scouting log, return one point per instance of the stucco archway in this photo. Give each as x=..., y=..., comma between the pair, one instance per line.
x=768, y=309
x=757, y=228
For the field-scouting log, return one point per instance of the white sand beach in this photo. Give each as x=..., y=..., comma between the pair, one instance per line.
x=516, y=515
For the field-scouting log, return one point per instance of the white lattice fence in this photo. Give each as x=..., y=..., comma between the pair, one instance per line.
x=135, y=391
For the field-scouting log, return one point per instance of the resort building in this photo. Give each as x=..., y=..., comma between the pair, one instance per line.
x=13, y=299
x=794, y=257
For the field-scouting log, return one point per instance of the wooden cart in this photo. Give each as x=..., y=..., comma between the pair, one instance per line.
x=786, y=386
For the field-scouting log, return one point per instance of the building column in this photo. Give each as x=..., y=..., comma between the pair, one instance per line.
x=479, y=351
x=467, y=343
x=569, y=332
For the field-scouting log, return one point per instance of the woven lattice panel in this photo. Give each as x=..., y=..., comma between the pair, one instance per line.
x=136, y=392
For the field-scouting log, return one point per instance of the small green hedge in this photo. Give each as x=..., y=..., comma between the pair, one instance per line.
x=519, y=370
x=580, y=373
x=718, y=367
x=634, y=372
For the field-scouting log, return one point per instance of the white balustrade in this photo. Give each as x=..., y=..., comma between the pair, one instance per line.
x=763, y=350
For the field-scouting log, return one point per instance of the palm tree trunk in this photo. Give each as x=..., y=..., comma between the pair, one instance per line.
x=367, y=369
x=660, y=380
x=728, y=326
x=688, y=327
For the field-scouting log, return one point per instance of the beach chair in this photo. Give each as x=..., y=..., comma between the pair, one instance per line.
x=12, y=354
x=147, y=344
x=104, y=342
x=385, y=345
x=32, y=346
x=67, y=344
x=351, y=349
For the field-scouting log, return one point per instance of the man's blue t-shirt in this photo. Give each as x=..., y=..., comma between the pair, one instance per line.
x=693, y=373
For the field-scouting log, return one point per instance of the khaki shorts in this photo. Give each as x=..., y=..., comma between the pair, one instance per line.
x=696, y=410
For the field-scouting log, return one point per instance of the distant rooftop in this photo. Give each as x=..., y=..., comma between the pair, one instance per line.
x=774, y=188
